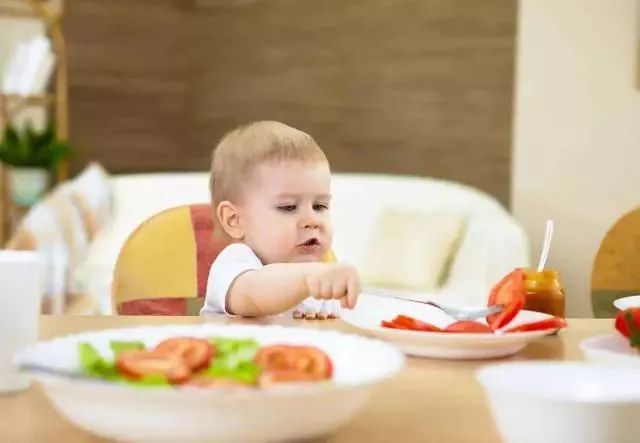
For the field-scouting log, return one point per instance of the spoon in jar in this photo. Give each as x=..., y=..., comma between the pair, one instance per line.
x=548, y=235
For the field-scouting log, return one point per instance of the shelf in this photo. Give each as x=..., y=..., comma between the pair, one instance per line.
x=32, y=99
x=50, y=13
x=22, y=8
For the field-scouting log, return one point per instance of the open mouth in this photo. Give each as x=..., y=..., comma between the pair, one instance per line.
x=310, y=243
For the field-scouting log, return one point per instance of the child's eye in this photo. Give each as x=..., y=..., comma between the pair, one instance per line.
x=287, y=208
x=320, y=207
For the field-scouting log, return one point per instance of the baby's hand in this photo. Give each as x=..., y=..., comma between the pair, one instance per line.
x=335, y=281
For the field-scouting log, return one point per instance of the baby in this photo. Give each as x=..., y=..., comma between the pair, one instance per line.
x=271, y=194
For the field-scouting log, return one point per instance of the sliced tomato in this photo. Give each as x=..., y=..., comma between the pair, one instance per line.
x=306, y=360
x=509, y=293
x=284, y=376
x=468, y=326
x=391, y=325
x=196, y=352
x=414, y=324
x=628, y=324
x=137, y=364
x=541, y=325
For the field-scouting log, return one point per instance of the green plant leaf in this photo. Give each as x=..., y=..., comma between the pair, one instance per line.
x=242, y=371
x=234, y=360
x=634, y=332
x=11, y=136
x=94, y=364
x=122, y=346
x=225, y=346
x=30, y=147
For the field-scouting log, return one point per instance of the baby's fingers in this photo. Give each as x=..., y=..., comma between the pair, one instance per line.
x=353, y=291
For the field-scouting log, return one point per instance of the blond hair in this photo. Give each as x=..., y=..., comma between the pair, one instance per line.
x=240, y=151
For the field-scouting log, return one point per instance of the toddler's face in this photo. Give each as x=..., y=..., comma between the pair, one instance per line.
x=285, y=212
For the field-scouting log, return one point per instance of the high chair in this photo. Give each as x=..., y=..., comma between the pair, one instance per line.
x=163, y=267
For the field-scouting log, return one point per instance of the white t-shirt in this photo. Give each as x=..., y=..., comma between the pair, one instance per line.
x=231, y=262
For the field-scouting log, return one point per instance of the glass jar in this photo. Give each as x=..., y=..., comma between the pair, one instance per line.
x=544, y=292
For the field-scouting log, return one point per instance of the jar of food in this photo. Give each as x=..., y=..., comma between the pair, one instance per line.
x=544, y=292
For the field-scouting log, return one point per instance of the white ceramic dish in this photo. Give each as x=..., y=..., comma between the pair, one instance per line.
x=184, y=415
x=633, y=301
x=610, y=349
x=534, y=402
x=371, y=310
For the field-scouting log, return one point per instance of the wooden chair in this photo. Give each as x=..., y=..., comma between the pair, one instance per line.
x=616, y=269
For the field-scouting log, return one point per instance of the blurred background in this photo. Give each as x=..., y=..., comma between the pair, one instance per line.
x=533, y=102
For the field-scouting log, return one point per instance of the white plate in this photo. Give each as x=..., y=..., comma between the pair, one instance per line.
x=161, y=415
x=611, y=349
x=562, y=402
x=633, y=301
x=371, y=310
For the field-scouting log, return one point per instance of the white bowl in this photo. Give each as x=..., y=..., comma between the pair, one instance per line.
x=610, y=349
x=197, y=415
x=371, y=310
x=534, y=402
x=633, y=301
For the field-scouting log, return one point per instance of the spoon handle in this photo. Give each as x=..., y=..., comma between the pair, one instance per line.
x=548, y=235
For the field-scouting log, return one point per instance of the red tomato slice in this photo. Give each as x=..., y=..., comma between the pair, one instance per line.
x=284, y=376
x=391, y=325
x=628, y=324
x=467, y=326
x=509, y=292
x=137, y=364
x=305, y=360
x=414, y=324
x=541, y=325
x=196, y=352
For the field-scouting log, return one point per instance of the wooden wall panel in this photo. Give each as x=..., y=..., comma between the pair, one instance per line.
x=127, y=83
x=402, y=86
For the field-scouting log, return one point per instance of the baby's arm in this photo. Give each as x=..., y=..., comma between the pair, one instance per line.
x=279, y=287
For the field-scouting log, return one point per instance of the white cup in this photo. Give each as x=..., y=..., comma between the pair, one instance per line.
x=21, y=289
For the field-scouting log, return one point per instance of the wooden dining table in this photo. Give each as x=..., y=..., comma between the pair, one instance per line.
x=429, y=400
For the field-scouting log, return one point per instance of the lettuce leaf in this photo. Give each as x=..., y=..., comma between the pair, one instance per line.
x=234, y=359
x=245, y=348
x=122, y=346
x=94, y=365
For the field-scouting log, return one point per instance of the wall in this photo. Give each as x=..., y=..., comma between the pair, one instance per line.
x=577, y=128
x=402, y=86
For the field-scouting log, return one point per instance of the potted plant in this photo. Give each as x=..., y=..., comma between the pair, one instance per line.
x=32, y=154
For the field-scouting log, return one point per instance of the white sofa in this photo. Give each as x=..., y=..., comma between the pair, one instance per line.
x=493, y=243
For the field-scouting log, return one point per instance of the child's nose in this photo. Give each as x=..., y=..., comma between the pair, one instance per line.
x=311, y=224
x=312, y=221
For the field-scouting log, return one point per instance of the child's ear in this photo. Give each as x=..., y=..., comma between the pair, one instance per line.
x=230, y=220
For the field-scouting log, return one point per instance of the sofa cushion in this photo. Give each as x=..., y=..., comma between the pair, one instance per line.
x=412, y=250
x=91, y=192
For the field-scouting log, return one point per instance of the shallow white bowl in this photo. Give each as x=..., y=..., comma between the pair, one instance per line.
x=534, y=402
x=633, y=301
x=371, y=310
x=197, y=415
x=610, y=349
